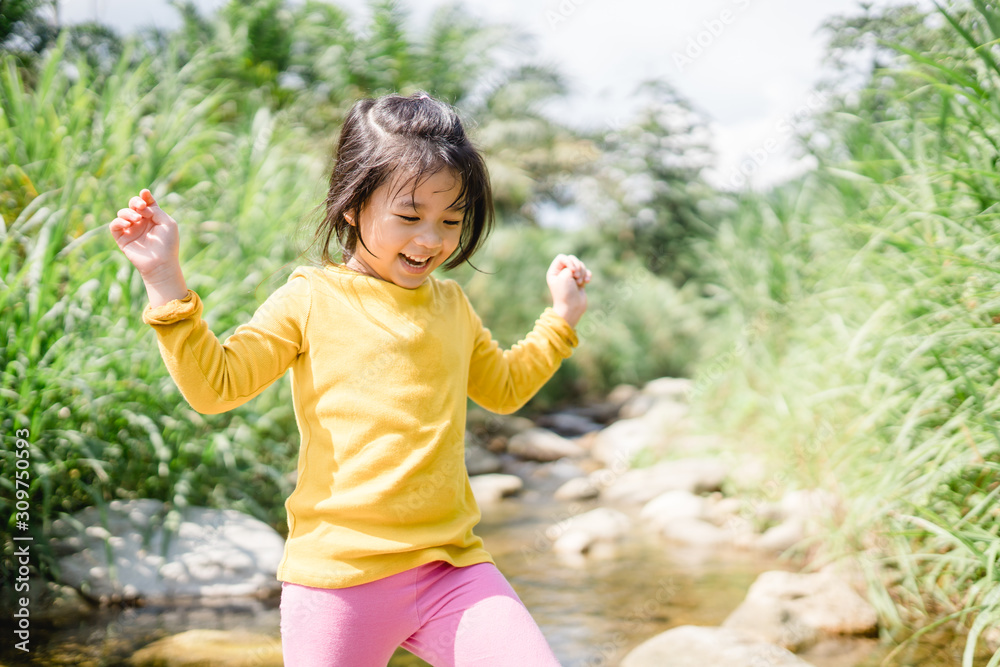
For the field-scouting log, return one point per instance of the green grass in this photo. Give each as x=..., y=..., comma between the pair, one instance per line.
x=882, y=277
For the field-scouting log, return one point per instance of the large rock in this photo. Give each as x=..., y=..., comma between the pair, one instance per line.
x=623, y=440
x=211, y=553
x=491, y=488
x=580, y=533
x=694, y=475
x=219, y=648
x=795, y=610
x=693, y=646
x=539, y=444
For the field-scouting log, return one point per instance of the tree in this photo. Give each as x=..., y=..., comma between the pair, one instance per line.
x=646, y=191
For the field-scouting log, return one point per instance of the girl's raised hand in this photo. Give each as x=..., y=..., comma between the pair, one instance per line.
x=148, y=236
x=567, y=277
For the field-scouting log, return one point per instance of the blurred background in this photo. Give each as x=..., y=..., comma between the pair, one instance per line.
x=791, y=204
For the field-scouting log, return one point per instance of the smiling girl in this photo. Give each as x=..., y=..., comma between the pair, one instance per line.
x=381, y=550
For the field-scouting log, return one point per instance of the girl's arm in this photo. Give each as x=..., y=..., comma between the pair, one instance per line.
x=504, y=380
x=213, y=377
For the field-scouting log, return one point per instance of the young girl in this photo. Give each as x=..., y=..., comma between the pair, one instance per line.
x=381, y=550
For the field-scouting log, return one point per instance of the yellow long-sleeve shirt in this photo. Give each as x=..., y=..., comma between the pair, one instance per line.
x=380, y=376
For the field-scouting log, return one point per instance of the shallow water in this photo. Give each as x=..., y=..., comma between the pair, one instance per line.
x=593, y=612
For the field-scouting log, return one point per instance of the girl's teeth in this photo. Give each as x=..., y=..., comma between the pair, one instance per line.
x=415, y=262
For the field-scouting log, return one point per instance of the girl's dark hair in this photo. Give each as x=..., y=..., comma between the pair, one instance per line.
x=396, y=135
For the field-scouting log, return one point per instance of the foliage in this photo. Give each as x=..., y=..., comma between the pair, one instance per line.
x=646, y=192
x=882, y=284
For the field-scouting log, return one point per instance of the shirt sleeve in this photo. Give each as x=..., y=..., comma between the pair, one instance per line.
x=504, y=380
x=216, y=377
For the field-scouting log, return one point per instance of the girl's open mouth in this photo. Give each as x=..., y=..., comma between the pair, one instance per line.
x=414, y=263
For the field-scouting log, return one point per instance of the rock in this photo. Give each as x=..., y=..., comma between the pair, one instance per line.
x=623, y=440
x=636, y=407
x=675, y=389
x=601, y=413
x=486, y=424
x=621, y=394
x=696, y=533
x=578, y=488
x=795, y=610
x=693, y=475
x=479, y=460
x=991, y=638
x=211, y=553
x=568, y=424
x=56, y=604
x=561, y=469
x=720, y=510
x=581, y=533
x=807, y=504
x=219, y=648
x=663, y=390
x=693, y=646
x=673, y=506
x=782, y=537
x=539, y=444
x=491, y=488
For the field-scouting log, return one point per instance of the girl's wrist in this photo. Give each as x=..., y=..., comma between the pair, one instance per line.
x=569, y=314
x=165, y=286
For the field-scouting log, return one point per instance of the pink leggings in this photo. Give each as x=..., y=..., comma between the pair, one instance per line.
x=448, y=616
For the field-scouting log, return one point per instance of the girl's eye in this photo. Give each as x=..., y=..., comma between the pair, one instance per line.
x=408, y=218
x=452, y=223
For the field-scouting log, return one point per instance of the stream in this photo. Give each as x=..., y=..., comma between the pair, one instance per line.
x=593, y=611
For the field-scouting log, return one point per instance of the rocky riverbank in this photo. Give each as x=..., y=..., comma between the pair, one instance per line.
x=630, y=464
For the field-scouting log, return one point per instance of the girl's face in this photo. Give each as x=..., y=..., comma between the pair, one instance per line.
x=409, y=233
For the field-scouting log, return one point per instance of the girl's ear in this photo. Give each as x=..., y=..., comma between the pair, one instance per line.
x=349, y=216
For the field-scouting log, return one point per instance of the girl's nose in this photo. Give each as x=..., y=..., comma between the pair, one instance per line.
x=429, y=240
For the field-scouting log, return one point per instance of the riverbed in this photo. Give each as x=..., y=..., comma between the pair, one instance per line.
x=593, y=610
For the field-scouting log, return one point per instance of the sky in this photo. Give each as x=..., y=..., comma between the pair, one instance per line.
x=749, y=66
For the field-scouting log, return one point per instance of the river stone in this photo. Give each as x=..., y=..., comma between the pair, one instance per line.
x=694, y=646
x=578, y=488
x=539, y=444
x=568, y=424
x=479, y=460
x=782, y=537
x=490, y=424
x=623, y=440
x=676, y=389
x=694, y=475
x=795, y=610
x=807, y=504
x=212, y=553
x=491, y=488
x=580, y=533
x=218, y=648
x=673, y=506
